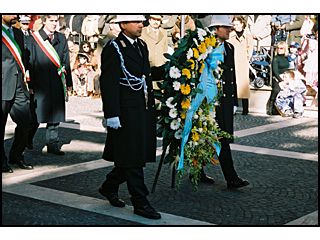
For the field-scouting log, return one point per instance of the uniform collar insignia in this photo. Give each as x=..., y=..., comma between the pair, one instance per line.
x=123, y=43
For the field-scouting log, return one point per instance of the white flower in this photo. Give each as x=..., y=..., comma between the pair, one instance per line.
x=200, y=130
x=201, y=34
x=178, y=134
x=196, y=42
x=176, y=85
x=202, y=118
x=195, y=116
x=203, y=56
x=169, y=103
x=204, y=123
x=174, y=72
x=174, y=125
x=173, y=113
x=189, y=53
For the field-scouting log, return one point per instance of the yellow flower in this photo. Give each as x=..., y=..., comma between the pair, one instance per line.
x=211, y=41
x=186, y=72
x=192, y=64
x=185, y=89
x=201, y=68
x=195, y=53
x=183, y=115
x=195, y=137
x=185, y=104
x=207, y=40
x=202, y=47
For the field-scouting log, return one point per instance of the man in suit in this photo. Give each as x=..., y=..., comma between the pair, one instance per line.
x=129, y=112
x=222, y=25
x=15, y=95
x=157, y=41
x=50, y=80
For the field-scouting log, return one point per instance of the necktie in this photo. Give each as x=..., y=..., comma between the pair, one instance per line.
x=136, y=46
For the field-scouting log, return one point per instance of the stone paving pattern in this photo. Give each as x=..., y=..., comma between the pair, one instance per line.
x=281, y=190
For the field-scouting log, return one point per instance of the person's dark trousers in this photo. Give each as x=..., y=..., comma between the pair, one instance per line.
x=18, y=108
x=34, y=125
x=226, y=162
x=245, y=106
x=135, y=183
x=271, y=110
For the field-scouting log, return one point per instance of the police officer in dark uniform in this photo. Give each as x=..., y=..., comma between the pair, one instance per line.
x=129, y=112
x=228, y=102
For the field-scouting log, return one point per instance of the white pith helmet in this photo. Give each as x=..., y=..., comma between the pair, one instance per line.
x=129, y=18
x=221, y=20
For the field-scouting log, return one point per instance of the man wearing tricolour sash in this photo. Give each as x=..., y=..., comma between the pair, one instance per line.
x=15, y=95
x=51, y=78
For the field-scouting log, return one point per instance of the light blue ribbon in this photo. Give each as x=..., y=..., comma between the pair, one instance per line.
x=207, y=85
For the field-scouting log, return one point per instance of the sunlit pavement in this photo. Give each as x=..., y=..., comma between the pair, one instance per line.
x=278, y=156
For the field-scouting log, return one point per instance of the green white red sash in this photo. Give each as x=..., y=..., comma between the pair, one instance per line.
x=15, y=50
x=52, y=54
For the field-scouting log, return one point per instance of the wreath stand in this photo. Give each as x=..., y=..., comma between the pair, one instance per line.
x=173, y=176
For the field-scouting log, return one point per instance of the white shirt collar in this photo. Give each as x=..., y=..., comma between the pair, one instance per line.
x=130, y=39
x=47, y=32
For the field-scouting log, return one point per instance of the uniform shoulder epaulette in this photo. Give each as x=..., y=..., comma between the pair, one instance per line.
x=143, y=43
x=123, y=43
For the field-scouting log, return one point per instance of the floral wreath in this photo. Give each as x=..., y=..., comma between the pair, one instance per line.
x=188, y=97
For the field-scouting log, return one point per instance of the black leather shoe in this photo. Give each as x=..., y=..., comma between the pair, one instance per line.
x=238, y=183
x=22, y=164
x=206, y=179
x=147, y=211
x=7, y=169
x=113, y=198
x=54, y=149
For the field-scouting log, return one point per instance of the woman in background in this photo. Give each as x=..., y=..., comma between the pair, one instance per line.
x=242, y=41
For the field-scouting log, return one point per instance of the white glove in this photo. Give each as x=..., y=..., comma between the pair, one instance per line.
x=112, y=122
x=235, y=109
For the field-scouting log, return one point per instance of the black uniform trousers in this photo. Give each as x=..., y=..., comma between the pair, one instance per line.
x=226, y=162
x=19, y=110
x=135, y=183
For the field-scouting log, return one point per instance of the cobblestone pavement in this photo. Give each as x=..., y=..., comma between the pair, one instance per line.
x=278, y=156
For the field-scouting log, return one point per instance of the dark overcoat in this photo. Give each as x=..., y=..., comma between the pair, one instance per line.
x=224, y=112
x=11, y=72
x=45, y=80
x=135, y=142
